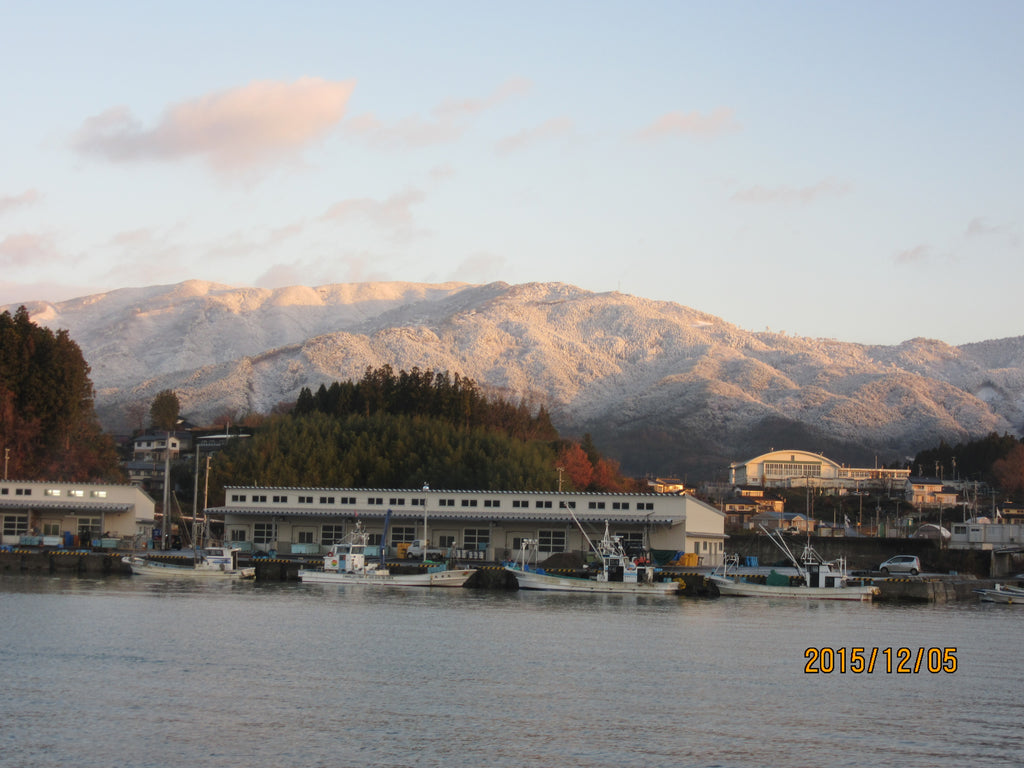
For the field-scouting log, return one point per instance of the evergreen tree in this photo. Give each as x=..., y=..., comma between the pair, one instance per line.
x=48, y=424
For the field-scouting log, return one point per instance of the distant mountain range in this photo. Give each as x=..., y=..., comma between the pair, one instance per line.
x=663, y=388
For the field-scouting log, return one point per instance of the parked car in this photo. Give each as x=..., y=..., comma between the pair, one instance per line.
x=901, y=564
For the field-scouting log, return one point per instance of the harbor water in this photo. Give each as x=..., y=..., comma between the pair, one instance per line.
x=134, y=672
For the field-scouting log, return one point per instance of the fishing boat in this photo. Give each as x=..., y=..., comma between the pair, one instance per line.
x=1002, y=593
x=815, y=578
x=617, y=572
x=211, y=562
x=347, y=563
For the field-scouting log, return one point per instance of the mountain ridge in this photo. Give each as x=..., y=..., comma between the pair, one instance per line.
x=663, y=387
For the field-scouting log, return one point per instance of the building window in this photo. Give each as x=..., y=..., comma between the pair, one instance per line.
x=375, y=500
x=280, y=499
x=22, y=491
x=446, y=542
x=551, y=541
x=645, y=505
x=238, y=497
x=541, y=504
x=418, y=502
x=469, y=502
x=260, y=499
x=238, y=534
x=326, y=499
x=446, y=502
x=305, y=499
x=51, y=529
x=331, y=534
x=476, y=538
x=264, y=533
x=305, y=537
x=520, y=504
x=492, y=503
x=53, y=491
x=595, y=505
x=15, y=525
x=567, y=505
x=347, y=500
x=396, y=501
x=632, y=540
x=620, y=505
x=401, y=534
x=76, y=493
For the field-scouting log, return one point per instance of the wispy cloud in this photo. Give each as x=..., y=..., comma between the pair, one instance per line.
x=480, y=267
x=231, y=130
x=23, y=249
x=915, y=255
x=446, y=122
x=554, y=128
x=358, y=267
x=979, y=227
x=393, y=215
x=9, y=203
x=718, y=122
x=784, y=194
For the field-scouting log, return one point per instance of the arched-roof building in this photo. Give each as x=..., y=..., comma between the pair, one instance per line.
x=795, y=468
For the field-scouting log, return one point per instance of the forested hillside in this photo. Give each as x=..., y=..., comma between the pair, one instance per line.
x=408, y=429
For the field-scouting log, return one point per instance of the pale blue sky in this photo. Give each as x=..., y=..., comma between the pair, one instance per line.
x=848, y=170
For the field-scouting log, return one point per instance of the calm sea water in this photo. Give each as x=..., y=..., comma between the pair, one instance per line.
x=132, y=672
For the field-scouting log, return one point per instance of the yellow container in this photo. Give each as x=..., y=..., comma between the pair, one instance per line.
x=403, y=547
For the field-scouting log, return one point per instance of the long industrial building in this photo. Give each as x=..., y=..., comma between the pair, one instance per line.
x=489, y=525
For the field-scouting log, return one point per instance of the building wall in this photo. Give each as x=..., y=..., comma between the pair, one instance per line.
x=798, y=468
x=53, y=508
x=305, y=520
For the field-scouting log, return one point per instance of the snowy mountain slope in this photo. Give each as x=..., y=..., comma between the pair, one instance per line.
x=663, y=386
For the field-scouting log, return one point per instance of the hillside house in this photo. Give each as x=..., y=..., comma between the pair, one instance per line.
x=929, y=492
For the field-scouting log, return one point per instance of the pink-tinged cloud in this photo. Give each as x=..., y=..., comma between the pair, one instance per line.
x=254, y=125
x=24, y=249
x=825, y=188
x=913, y=255
x=394, y=215
x=447, y=122
x=9, y=203
x=554, y=128
x=718, y=122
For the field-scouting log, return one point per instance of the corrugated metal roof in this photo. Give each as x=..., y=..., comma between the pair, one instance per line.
x=321, y=489
x=70, y=506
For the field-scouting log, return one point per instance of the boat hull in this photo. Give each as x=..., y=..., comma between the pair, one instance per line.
x=737, y=588
x=452, y=579
x=142, y=567
x=547, y=582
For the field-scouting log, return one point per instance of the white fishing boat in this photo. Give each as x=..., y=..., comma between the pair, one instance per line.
x=347, y=563
x=814, y=579
x=212, y=562
x=617, y=572
x=1002, y=593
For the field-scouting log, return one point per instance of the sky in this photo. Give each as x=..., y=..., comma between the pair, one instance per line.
x=846, y=170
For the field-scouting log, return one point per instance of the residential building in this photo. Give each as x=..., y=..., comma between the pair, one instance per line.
x=490, y=523
x=929, y=492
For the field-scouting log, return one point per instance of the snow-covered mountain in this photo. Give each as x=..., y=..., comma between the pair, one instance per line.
x=665, y=388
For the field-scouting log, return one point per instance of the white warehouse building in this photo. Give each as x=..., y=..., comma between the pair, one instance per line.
x=489, y=525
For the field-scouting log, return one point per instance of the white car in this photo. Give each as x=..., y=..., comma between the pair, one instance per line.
x=901, y=564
